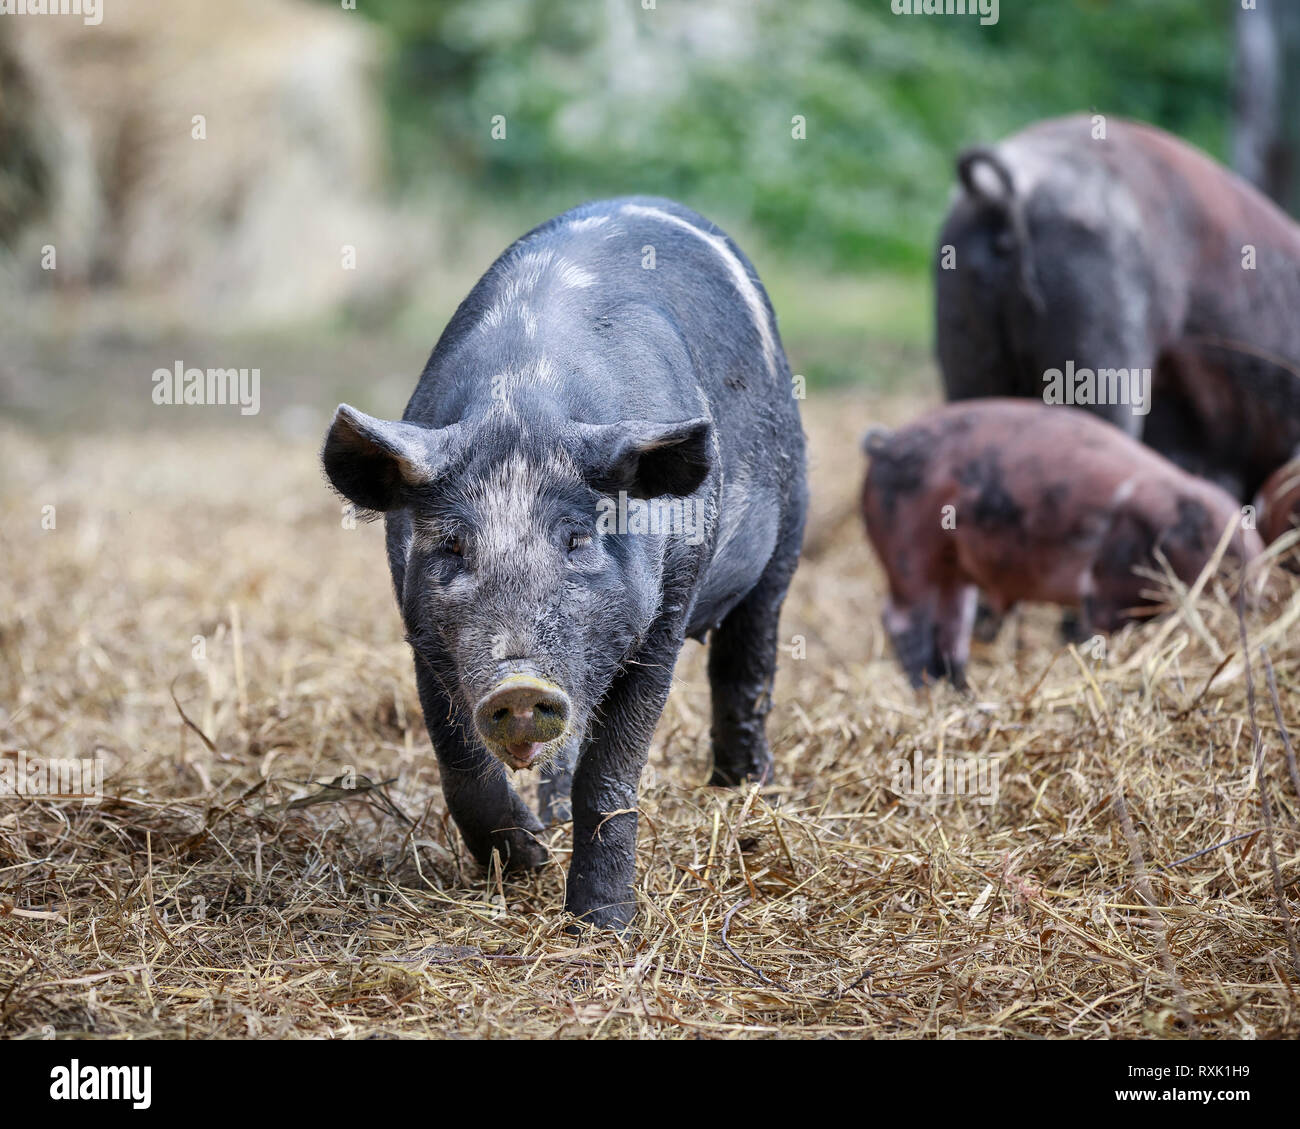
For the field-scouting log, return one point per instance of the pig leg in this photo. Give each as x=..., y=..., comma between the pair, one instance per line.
x=911, y=630
x=1084, y=620
x=955, y=616
x=742, y=665
x=605, y=783
x=988, y=623
x=555, y=786
x=1105, y=611
x=487, y=811
x=1073, y=627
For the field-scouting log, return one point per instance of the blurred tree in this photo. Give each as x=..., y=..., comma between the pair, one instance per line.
x=1266, y=107
x=24, y=161
x=697, y=101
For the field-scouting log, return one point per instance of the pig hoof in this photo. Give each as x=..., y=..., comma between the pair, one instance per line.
x=557, y=812
x=988, y=623
x=758, y=769
x=612, y=915
x=518, y=850
x=728, y=778
x=1073, y=630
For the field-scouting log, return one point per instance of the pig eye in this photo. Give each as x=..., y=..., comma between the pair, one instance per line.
x=454, y=545
x=578, y=541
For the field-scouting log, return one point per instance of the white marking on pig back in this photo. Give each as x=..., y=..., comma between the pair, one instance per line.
x=572, y=275
x=745, y=285
x=538, y=374
x=1025, y=160
x=524, y=274
x=529, y=320
x=1081, y=187
x=1026, y=163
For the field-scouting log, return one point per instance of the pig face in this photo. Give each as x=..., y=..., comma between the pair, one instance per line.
x=514, y=595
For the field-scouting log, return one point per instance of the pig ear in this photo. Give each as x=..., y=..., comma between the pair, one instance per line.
x=376, y=463
x=646, y=459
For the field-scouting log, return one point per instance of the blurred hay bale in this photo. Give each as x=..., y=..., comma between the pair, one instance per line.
x=247, y=222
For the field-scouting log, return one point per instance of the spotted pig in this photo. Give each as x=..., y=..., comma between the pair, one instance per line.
x=1027, y=503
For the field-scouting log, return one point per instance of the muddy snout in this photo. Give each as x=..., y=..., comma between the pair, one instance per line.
x=519, y=716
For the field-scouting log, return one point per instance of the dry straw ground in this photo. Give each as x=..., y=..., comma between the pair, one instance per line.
x=1121, y=885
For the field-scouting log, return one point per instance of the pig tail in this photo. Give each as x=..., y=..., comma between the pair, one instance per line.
x=1012, y=207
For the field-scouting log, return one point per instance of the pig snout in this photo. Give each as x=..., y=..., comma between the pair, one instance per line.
x=519, y=716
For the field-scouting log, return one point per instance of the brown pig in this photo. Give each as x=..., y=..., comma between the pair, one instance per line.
x=1026, y=502
x=1278, y=504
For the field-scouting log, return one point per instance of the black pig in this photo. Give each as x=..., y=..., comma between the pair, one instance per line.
x=616, y=370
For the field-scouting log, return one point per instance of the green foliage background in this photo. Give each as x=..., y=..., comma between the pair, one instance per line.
x=694, y=99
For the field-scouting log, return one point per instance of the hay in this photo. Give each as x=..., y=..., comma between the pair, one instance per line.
x=1120, y=885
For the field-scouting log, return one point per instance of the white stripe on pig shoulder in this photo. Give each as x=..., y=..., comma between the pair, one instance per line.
x=739, y=276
